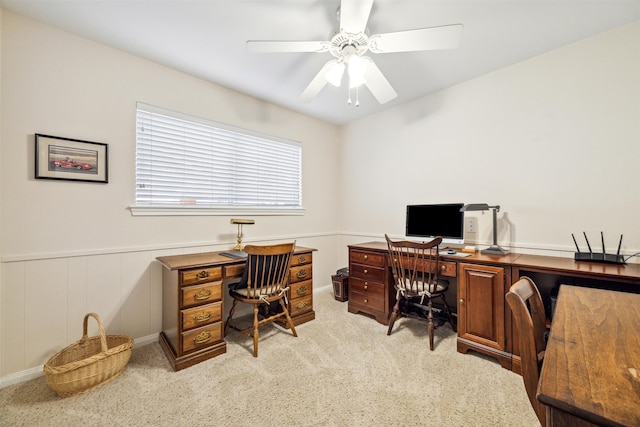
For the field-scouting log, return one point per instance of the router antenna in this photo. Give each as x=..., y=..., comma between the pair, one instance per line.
x=588, y=245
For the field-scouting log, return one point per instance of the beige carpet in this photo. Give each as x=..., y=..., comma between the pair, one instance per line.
x=342, y=370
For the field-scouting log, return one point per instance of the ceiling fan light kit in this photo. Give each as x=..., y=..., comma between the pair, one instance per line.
x=357, y=67
x=334, y=73
x=349, y=45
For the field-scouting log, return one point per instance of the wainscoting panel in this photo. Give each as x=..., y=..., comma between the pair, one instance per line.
x=45, y=308
x=44, y=299
x=44, y=302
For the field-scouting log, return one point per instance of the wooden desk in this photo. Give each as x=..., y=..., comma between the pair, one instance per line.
x=476, y=292
x=591, y=370
x=193, y=296
x=479, y=283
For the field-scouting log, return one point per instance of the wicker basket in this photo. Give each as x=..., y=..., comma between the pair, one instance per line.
x=89, y=362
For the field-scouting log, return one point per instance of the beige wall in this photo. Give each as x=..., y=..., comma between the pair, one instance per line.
x=69, y=248
x=554, y=140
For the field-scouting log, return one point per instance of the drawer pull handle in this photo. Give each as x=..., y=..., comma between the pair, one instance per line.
x=461, y=301
x=302, y=259
x=203, y=316
x=301, y=305
x=204, y=274
x=366, y=271
x=302, y=273
x=202, y=337
x=366, y=285
x=366, y=257
x=202, y=294
x=443, y=268
x=302, y=290
x=366, y=300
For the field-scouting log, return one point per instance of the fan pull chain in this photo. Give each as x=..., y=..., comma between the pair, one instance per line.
x=357, y=97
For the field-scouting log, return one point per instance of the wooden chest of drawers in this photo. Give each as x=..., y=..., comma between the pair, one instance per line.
x=300, y=294
x=368, y=290
x=192, y=320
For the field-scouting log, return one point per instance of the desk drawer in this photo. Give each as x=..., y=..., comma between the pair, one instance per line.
x=368, y=258
x=373, y=289
x=201, y=337
x=300, y=305
x=200, y=275
x=300, y=273
x=367, y=272
x=448, y=269
x=370, y=301
x=301, y=289
x=300, y=259
x=201, y=294
x=201, y=315
x=233, y=270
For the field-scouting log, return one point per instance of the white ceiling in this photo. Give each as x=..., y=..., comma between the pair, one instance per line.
x=206, y=38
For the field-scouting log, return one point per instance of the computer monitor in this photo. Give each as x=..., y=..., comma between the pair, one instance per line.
x=424, y=222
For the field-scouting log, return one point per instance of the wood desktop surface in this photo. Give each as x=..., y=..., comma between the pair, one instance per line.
x=605, y=271
x=196, y=260
x=591, y=368
x=459, y=256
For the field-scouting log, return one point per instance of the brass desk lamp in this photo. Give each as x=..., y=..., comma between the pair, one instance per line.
x=240, y=222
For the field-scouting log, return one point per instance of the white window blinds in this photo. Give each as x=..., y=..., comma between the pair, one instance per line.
x=187, y=161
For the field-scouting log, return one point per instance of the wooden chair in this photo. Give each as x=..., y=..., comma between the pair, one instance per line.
x=526, y=306
x=415, y=273
x=265, y=280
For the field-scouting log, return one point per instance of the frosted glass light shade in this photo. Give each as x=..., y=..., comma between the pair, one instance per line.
x=357, y=68
x=335, y=73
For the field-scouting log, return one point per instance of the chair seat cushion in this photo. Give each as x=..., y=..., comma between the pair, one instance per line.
x=440, y=286
x=244, y=292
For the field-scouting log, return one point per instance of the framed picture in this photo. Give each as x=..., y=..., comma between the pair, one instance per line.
x=71, y=159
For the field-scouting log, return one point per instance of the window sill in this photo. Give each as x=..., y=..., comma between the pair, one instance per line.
x=211, y=211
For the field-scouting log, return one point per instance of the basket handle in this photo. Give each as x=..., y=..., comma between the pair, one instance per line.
x=103, y=335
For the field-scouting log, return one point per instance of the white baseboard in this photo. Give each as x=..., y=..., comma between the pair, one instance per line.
x=325, y=288
x=142, y=341
x=20, y=377
x=35, y=372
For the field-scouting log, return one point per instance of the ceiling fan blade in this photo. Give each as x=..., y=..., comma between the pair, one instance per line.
x=277, y=46
x=354, y=15
x=318, y=82
x=378, y=84
x=445, y=37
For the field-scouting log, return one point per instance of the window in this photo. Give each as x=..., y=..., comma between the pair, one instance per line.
x=189, y=165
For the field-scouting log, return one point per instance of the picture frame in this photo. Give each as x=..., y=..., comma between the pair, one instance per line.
x=71, y=159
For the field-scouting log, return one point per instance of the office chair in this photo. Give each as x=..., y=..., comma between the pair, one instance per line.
x=415, y=273
x=526, y=306
x=265, y=280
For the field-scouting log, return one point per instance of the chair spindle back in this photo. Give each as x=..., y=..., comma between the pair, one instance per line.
x=268, y=269
x=415, y=265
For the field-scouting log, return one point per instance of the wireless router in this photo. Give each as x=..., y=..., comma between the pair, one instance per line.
x=598, y=256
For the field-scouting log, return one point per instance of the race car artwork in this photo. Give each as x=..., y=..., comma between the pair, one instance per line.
x=70, y=164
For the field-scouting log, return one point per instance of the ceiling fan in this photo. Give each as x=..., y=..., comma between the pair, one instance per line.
x=351, y=42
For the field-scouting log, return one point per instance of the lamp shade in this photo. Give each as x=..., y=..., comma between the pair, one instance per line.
x=475, y=207
x=356, y=70
x=242, y=221
x=335, y=73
